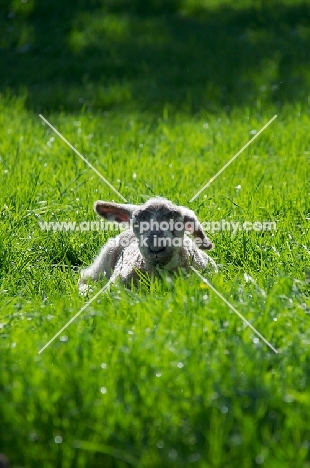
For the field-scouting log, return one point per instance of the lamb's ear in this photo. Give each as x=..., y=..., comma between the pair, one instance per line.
x=115, y=211
x=193, y=226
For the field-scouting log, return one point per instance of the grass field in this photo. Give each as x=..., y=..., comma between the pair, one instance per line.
x=158, y=98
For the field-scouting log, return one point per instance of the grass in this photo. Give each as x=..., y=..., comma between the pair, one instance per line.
x=165, y=377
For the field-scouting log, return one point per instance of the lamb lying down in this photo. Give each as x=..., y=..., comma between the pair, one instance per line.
x=155, y=239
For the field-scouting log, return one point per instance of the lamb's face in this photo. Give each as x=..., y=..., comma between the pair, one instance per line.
x=160, y=233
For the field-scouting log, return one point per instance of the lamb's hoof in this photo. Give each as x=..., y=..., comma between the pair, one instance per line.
x=85, y=289
x=214, y=266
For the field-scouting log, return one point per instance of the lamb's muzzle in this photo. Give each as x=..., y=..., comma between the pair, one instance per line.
x=156, y=237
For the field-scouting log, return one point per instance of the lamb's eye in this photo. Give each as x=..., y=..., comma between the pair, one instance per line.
x=141, y=216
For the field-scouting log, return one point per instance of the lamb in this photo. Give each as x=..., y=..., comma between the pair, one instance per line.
x=155, y=239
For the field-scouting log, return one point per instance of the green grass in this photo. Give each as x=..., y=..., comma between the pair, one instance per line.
x=167, y=376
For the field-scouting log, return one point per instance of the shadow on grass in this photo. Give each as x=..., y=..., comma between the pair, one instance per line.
x=138, y=55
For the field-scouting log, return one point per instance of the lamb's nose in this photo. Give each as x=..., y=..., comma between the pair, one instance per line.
x=155, y=244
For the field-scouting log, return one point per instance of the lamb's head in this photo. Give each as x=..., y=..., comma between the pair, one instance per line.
x=159, y=227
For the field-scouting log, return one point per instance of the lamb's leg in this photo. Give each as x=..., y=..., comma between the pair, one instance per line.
x=101, y=267
x=105, y=263
x=206, y=262
x=198, y=258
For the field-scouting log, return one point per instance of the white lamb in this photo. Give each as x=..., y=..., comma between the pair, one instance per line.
x=155, y=239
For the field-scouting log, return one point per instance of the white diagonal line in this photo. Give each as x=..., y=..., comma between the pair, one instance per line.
x=76, y=315
x=233, y=158
x=82, y=157
x=235, y=310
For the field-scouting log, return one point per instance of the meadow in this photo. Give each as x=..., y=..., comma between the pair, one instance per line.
x=158, y=96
